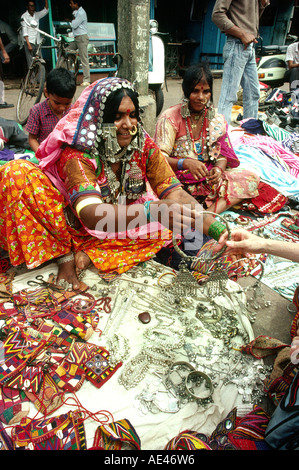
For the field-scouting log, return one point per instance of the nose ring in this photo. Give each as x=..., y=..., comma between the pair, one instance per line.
x=133, y=131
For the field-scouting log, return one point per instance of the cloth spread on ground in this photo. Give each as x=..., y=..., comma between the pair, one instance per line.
x=273, y=162
x=118, y=372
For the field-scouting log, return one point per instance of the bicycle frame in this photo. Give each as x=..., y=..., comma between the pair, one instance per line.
x=33, y=24
x=37, y=55
x=67, y=57
x=33, y=85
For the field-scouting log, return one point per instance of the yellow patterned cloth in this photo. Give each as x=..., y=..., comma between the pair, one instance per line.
x=33, y=228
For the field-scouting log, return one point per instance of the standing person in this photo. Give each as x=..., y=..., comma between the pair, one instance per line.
x=5, y=60
x=292, y=60
x=239, y=20
x=59, y=91
x=9, y=38
x=79, y=28
x=31, y=35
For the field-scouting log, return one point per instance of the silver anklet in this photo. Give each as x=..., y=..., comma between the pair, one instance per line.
x=65, y=258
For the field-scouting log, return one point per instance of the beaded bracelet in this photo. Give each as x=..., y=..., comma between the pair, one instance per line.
x=180, y=163
x=216, y=229
x=146, y=207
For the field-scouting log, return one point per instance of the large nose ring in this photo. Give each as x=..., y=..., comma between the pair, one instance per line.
x=133, y=131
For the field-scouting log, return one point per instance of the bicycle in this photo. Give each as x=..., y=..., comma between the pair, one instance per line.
x=33, y=84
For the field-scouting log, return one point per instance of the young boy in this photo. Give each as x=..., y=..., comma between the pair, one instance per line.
x=59, y=91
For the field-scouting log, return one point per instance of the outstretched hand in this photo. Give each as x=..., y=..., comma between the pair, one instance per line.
x=242, y=244
x=222, y=242
x=245, y=242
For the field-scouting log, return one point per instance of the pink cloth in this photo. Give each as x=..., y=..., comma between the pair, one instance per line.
x=269, y=146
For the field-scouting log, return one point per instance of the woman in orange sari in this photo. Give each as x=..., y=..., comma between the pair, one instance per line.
x=99, y=194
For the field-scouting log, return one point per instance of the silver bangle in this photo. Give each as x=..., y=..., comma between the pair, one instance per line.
x=66, y=258
x=197, y=375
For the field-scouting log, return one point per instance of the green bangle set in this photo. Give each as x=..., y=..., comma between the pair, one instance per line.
x=146, y=207
x=216, y=229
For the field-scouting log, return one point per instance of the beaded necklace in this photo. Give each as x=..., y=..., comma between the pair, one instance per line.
x=199, y=145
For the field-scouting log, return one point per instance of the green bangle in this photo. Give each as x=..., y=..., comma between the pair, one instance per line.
x=216, y=229
x=146, y=208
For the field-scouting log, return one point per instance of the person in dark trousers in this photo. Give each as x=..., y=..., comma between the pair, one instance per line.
x=5, y=59
x=79, y=28
x=31, y=35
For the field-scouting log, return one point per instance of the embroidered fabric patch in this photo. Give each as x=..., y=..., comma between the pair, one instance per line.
x=64, y=432
x=98, y=369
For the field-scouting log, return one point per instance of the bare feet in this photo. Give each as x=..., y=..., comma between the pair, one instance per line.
x=82, y=261
x=69, y=271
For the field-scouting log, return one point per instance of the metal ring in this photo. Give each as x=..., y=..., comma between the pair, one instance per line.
x=162, y=275
x=172, y=369
x=290, y=309
x=197, y=373
x=247, y=259
x=195, y=258
x=134, y=130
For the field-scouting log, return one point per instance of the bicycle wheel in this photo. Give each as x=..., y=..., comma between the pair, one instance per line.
x=69, y=62
x=72, y=63
x=31, y=91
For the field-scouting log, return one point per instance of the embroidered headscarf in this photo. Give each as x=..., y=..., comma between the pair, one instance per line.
x=81, y=128
x=90, y=122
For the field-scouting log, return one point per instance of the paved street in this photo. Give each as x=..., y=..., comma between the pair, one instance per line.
x=274, y=321
x=172, y=94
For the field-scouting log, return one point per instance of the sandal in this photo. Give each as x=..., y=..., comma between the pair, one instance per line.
x=6, y=105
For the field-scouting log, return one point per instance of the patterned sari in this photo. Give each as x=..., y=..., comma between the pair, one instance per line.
x=174, y=137
x=35, y=199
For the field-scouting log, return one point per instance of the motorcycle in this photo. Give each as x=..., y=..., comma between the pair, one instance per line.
x=271, y=63
x=156, y=72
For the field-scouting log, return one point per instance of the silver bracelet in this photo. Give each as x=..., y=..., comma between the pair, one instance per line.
x=193, y=379
x=66, y=258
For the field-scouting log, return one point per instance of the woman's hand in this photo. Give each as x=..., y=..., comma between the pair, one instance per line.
x=197, y=169
x=214, y=176
x=177, y=217
x=295, y=349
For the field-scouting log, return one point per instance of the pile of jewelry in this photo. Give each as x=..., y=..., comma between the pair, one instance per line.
x=196, y=379
x=216, y=319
